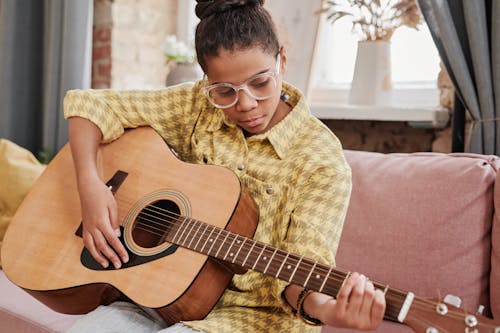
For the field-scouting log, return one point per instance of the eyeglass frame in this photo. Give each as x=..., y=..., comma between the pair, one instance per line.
x=272, y=73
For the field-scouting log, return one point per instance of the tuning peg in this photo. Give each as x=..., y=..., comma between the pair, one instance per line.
x=453, y=300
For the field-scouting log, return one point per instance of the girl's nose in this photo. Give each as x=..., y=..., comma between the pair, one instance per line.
x=245, y=101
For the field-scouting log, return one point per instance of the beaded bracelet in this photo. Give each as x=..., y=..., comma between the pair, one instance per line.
x=300, y=309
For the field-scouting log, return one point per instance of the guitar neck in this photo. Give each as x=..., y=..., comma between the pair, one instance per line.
x=250, y=254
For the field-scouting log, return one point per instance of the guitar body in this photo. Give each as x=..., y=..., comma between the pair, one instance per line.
x=43, y=250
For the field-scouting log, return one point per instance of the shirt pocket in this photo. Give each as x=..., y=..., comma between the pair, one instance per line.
x=271, y=198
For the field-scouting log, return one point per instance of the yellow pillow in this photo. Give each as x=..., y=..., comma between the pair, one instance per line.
x=18, y=171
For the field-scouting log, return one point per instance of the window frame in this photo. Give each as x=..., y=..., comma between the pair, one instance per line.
x=332, y=102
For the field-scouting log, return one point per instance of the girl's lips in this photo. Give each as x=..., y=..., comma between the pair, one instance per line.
x=252, y=122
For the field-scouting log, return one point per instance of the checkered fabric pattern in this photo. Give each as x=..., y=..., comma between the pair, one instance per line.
x=296, y=172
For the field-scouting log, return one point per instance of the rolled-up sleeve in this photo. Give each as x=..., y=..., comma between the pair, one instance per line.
x=167, y=110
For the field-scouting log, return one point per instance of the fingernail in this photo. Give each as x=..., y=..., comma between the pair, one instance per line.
x=104, y=264
x=125, y=259
x=118, y=232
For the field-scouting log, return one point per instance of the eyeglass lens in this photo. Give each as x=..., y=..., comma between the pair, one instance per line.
x=259, y=87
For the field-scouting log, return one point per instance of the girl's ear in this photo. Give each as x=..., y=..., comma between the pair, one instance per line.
x=283, y=60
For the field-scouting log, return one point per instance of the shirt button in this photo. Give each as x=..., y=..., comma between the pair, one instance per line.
x=269, y=190
x=241, y=166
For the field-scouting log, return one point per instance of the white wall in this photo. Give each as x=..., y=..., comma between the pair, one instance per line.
x=297, y=25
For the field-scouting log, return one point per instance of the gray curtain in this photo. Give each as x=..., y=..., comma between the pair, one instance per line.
x=467, y=35
x=45, y=50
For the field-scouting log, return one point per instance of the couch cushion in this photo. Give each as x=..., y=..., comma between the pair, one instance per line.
x=422, y=222
x=18, y=170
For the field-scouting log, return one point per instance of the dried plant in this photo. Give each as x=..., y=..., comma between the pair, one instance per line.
x=374, y=19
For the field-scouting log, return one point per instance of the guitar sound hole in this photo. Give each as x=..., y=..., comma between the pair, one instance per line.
x=153, y=223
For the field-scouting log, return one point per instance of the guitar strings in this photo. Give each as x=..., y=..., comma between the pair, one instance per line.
x=175, y=217
x=159, y=228
x=395, y=297
x=394, y=300
x=302, y=272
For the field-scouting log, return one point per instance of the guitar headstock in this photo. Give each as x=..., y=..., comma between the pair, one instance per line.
x=428, y=316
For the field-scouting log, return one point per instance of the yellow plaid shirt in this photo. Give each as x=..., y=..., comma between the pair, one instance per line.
x=296, y=172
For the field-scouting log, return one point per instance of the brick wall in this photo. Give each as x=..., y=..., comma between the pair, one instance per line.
x=139, y=28
x=128, y=36
x=389, y=137
x=101, y=49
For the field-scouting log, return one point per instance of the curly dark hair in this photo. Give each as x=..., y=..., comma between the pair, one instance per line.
x=233, y=24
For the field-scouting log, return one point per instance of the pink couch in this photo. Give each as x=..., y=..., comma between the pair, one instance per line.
x=421, y=222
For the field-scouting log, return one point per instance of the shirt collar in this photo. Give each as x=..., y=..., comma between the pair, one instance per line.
x=282, y=135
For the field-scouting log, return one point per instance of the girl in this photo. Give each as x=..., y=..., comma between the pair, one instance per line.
x=244, y=117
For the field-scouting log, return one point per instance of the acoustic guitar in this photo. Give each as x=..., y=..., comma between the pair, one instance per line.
x=186, y=228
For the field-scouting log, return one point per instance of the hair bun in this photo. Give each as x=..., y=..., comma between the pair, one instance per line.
x=205, y=8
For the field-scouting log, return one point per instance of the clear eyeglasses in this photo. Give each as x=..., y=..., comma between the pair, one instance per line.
x=259, y=87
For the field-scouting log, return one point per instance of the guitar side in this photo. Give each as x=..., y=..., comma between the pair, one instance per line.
x=41, y=251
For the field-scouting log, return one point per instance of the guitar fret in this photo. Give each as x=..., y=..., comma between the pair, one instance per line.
x=295, y=270
x=248, y=254
x=186, y=226
x=318, y=273
x=194, y=235
x=258, y=257
x=207, y=240
x=270, y=260
x=230, y=246
x=221, y=245
x=326, y=278
x=214, y=241
x=289, y=265
x=282, y=264
x=199, y=239
x=190, y=225
x=181, y=224
x=309, y=276
x=238, y=252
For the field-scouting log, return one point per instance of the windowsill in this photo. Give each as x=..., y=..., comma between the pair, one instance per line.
x=416, y=116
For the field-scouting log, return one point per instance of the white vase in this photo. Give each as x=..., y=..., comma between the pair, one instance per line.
x=183, y=72
x=372, y=81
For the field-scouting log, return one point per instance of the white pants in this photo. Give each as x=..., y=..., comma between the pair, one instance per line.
x=122, y=317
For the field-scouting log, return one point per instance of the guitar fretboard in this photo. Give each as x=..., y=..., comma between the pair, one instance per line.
x=250, y=254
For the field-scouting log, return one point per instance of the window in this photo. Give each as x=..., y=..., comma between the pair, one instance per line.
x=415, y=68
x=186, y=20
x=414, y=57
